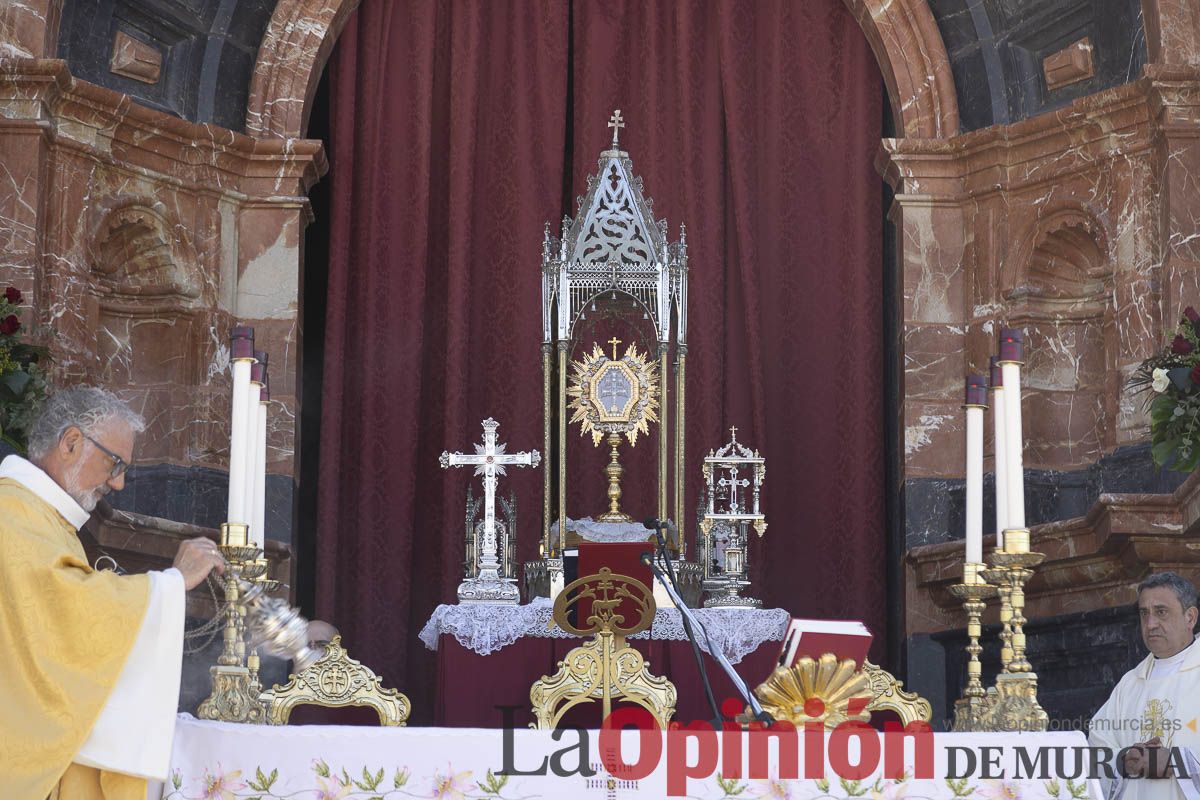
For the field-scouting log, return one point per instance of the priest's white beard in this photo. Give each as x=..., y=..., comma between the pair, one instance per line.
x=87, y=499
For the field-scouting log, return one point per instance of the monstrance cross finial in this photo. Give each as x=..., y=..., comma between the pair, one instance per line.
x=733, y=432
x=616, y=123
x=614, y=341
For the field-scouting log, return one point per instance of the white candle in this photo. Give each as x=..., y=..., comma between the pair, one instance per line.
x=974, y=485
x=251, y=456
x=258, y=530
x=242, y=352
x=999, y=467
x=976, y=401
x=1010, y=360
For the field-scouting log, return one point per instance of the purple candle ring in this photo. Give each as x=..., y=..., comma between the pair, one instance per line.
x=976, y=394
x=241, y=343
x=1012, y=346
x=997, y=373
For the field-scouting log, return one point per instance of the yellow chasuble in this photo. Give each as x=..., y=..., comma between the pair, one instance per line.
x=66, y=631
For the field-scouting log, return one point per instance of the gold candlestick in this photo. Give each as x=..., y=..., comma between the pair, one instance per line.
x=235, y=698
x=1018, y=566
x=998, y=577
x=969, y=710
x=1015, y=705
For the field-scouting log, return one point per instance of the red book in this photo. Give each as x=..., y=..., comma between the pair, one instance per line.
x=814, y=637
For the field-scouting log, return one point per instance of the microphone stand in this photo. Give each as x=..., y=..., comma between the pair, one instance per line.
x=686, y=617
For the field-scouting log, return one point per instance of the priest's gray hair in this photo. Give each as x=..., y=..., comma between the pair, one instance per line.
x=1182, y=587
x=85, y=407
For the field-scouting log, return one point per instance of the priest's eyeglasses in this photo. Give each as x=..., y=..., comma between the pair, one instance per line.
x=119, y=464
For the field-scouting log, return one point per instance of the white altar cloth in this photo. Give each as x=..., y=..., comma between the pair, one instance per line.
x=223, y=761
x=486, y=628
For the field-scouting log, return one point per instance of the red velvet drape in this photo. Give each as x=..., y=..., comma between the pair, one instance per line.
x=754, y=123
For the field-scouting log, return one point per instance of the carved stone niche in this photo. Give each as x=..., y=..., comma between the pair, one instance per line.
x=136, y=252
x=1063, y=297
x=150, y=320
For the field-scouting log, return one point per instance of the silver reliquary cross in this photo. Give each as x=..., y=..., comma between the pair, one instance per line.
x=489, y=461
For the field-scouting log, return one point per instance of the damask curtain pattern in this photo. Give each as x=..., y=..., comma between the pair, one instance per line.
x=754, y=123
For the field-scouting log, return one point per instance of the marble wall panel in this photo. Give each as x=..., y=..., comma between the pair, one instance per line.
x=931, y=242
x=933, y=437
x=141, y=239
x=21, y=171
x=1065, y=355
x=1064, y=429
x=29, y=28
x=934, y=361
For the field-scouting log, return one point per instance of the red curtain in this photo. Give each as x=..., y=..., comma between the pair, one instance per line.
x=754, y=123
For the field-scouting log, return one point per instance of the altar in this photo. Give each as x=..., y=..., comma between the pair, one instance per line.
x=513, y=645
x=224, y=760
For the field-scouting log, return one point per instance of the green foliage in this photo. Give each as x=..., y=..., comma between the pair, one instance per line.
x=370, y=782
x=732, y=787
x=22, y=381
x=492, y=785
x=853, y=788
x=959, y=788
x=1078, y=791
x=262, y=782
x=1174, y=401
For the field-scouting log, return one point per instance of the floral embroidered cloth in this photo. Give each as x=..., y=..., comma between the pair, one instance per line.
x=223, y=761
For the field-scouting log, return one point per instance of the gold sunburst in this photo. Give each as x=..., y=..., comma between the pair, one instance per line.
x=611, y=395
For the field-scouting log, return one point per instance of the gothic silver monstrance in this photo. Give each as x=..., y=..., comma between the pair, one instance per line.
x=733, y=477
x=612, y=254
x=489, y=460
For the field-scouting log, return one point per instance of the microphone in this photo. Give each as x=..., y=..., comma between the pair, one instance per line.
x=658, y=526
x=653, y=524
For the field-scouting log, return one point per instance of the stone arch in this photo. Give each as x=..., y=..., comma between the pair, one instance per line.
x=902, y=34
x=291, y=58
x=916, y=69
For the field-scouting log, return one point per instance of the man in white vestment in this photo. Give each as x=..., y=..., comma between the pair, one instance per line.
x=1150, y=720
x=89, y=660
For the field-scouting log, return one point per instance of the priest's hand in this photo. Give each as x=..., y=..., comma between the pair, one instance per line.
x=1157, y=759
x=1146, y=760
x=1135, y=760
x=196, y=558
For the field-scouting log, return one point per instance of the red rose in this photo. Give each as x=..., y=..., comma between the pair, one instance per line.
x=1192, y=315
x=12, y=295
x=10, y=325
x=1181, y=346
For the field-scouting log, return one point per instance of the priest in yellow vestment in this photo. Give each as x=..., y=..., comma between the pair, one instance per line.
x=89, y=660
x=1154, y=711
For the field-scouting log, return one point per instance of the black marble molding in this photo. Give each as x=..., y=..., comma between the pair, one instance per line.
x=1078, y=659
x=199, y=496
x=996, y=49
x=934, y=507
x=208, y=51
x=195, y=495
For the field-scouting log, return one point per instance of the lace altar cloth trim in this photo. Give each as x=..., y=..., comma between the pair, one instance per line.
x=487, y=628
x=609, y=532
